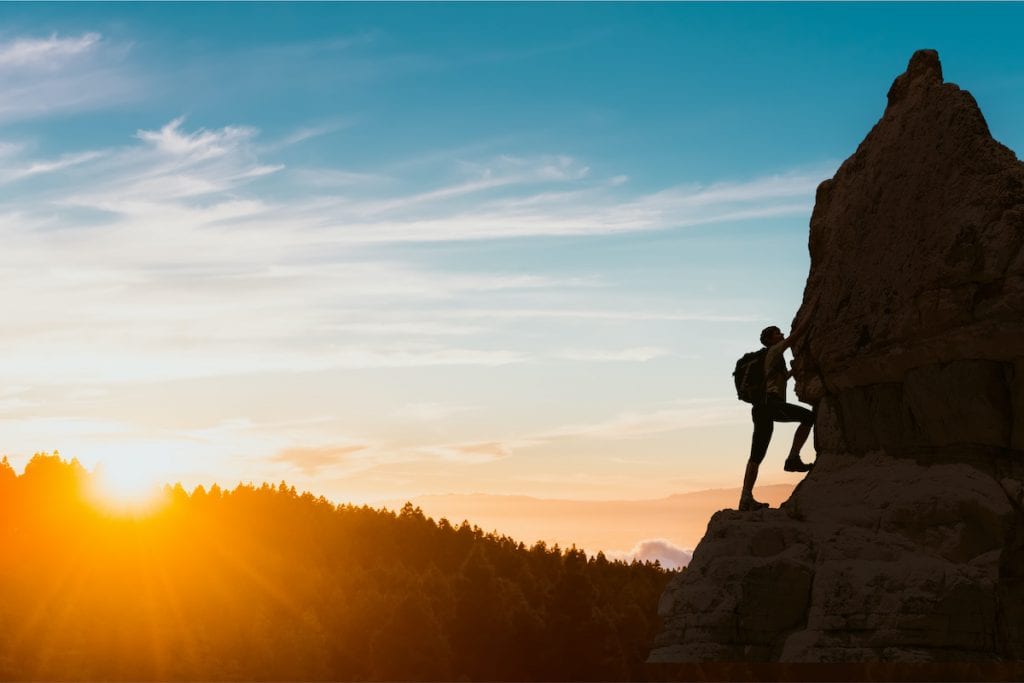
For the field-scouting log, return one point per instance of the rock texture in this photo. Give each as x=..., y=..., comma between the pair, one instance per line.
x=906, y=542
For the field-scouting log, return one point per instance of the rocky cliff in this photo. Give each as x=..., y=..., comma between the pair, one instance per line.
x=906, y=542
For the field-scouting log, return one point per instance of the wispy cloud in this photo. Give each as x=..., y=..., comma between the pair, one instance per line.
x=46, y=53
x=635, y=355
x=431, y=411
x=503, y=193
x=305, y=133
x=600, y=314
x=626, y=425
x=472, y=453
x=170, y=256
x=43, y=75
x=632, y=424
x=318, y=179
x=201, y=144
x=111, y=358
x=43, y=166
x=397, y=358
x=589, y=211
x=312, y=459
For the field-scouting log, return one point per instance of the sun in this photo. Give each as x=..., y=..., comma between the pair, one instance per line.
x=127, y=486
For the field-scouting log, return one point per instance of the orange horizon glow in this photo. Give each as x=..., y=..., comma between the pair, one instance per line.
x=127, y=490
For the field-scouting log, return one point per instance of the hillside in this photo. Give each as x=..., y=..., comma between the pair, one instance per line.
x=265, y=583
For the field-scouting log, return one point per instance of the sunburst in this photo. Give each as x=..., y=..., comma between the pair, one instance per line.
x=128, y=486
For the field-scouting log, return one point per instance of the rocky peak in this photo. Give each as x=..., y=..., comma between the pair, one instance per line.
x=924, y=68
x=906, y=541
x=916, y=285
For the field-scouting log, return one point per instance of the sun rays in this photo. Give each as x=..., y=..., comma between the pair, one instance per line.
x=128, y=487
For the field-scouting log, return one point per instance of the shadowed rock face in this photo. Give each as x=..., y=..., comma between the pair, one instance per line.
x=916, y=289
x=906, y=542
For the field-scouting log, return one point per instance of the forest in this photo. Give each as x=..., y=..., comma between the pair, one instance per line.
x=266, y=583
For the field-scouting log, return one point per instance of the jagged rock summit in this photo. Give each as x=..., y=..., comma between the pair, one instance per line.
x=906, y=542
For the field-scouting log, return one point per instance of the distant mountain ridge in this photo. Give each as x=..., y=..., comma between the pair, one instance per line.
x=615, y=527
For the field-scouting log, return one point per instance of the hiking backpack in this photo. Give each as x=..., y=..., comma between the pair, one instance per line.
x=749, y=376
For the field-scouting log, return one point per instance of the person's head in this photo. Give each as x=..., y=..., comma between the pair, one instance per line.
x=771, y=335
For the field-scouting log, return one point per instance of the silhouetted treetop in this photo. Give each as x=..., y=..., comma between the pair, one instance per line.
x=264, y=583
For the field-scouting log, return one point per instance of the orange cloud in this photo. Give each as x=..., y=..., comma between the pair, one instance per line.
x=311, y=459
x=469, y=452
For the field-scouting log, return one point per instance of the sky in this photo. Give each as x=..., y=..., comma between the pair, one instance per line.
x=390, y=250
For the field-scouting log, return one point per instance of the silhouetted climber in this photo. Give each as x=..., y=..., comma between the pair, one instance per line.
x=764, y=385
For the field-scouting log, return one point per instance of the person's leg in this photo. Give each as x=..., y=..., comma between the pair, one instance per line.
x=799, y=439
x=763, y=428
x=787, y=412
x=750, y=478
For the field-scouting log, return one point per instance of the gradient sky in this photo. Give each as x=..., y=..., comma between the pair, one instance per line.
x=386, y=250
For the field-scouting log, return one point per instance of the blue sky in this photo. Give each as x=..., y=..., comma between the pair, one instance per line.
x=392, y=249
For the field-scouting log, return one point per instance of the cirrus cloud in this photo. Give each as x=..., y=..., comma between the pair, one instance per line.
x=58, y=73
x=50, y=52
x=311, y=459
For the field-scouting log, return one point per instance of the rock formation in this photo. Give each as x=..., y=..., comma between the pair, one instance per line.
x=906, y=541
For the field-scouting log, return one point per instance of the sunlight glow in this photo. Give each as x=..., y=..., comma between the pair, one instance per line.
x=130, y=486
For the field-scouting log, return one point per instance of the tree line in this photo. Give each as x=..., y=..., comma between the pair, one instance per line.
x=265, y=583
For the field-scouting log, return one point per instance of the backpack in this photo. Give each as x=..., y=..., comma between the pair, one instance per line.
x=749, y=376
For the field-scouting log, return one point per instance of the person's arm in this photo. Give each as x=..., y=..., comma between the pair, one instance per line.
x=797, y=332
